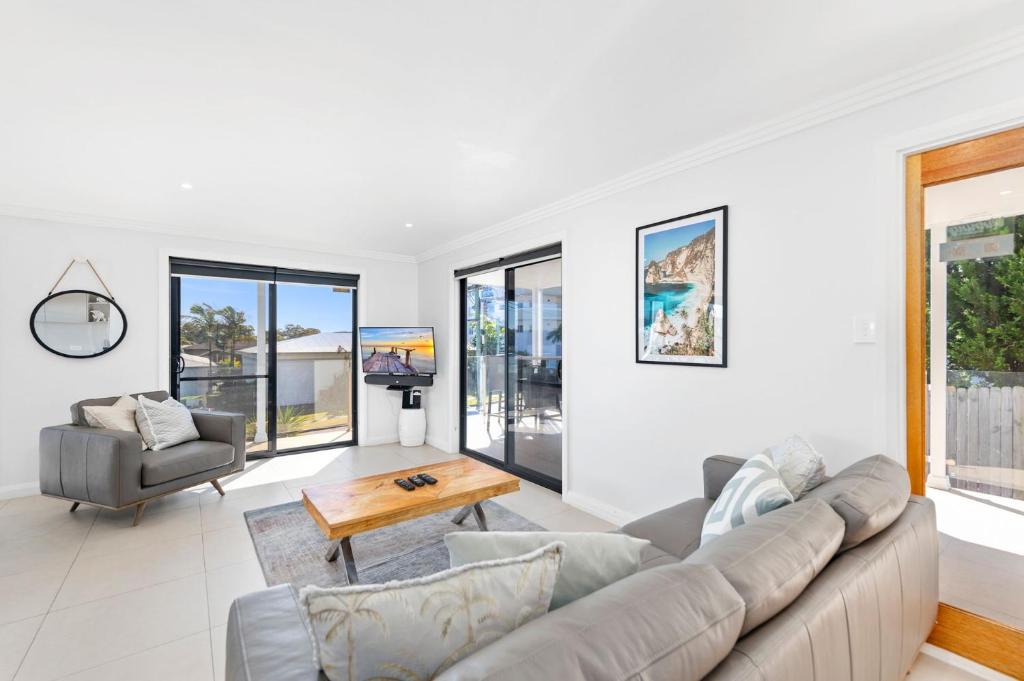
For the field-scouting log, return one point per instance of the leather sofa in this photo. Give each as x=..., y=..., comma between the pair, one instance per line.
x=779, y=601
x=111, y=468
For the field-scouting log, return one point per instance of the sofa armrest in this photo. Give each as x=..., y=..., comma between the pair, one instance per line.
x=222, y=426
x=268, y=638
x=718, y=470
x=94, y=465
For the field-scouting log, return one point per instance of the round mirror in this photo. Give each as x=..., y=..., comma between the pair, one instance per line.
x=78, y=324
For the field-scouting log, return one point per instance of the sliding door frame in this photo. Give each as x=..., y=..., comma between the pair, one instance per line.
x=509, y=265
x=226, y=270
x=970, y=635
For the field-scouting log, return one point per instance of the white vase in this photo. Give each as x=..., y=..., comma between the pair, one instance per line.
x=412, y=427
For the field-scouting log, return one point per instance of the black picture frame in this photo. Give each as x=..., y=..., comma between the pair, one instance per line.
x=720, y=214
x=107, y=299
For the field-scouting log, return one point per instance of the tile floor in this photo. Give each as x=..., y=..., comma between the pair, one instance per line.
x=85, y=596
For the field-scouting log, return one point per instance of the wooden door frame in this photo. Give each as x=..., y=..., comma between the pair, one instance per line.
x=969, y=635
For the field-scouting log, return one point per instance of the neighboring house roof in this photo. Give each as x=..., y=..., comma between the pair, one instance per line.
x=193, y=361
x=325, y=342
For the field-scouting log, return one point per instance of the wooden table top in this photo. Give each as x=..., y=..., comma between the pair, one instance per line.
x=343, y=509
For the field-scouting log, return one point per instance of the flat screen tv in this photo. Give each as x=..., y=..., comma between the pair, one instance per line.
x=403, y=350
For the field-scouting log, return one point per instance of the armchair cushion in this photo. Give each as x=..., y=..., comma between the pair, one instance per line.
x=165, y=424
x=183, y=460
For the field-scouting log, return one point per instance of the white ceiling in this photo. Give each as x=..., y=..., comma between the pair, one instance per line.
x=334, y=123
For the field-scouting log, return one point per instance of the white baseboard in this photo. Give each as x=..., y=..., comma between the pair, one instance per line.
x=22, y=489
x=438, y=443
x=604, y=511
x=981, y=671
x=378, y=440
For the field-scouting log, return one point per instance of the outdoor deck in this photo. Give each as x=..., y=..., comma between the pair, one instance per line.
x=388, y=363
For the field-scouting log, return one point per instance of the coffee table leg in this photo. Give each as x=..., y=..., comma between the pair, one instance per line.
x=462, y=514
x=481, y=519
x=475, y=509
x=345, y=548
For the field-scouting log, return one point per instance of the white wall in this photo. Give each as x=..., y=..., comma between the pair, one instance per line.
x=36, y=387
x=815, y=239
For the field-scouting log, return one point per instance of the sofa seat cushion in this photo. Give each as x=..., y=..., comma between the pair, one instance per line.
x=772, y=559
x=675, y=530
x=667, y=624
x=183, y=460
x=868, y=496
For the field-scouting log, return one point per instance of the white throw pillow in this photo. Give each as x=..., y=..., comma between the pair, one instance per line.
x=801, y=467
x=417, y=628
x=592, y=560
x=755, y=489
x=164, y=424
x=118, y=416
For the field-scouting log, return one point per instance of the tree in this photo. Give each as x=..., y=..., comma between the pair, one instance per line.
x=295, y=331
x=203, y=326
x=985, y=309
x=234, y=329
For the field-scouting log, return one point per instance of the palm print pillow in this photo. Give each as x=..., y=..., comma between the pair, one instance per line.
x=415, y=629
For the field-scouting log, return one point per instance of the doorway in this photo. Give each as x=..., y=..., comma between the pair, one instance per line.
x=511, y=364
x=274, y=344
x=965, y=383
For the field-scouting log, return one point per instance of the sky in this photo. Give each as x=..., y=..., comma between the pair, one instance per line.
x=658, y=245
x=310, y=306
x=416, y=335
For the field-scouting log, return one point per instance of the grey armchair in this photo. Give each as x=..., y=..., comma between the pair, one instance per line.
x=110, y=468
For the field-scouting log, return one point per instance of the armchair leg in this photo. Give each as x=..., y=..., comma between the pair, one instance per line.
x=74, y=507
x=216, y=486
x=139, y=508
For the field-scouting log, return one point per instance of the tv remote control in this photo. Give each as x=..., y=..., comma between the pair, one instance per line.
x=429, y=479
x=415, y=479
x=405, y=484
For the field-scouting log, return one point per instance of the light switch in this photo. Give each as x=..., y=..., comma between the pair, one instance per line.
x=865, y=330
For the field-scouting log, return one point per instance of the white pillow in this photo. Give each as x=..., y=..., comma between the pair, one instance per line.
x=417, y=628
x=118, y=416
x=801, y=467
x=592, y=559
x=164, y=424
x=755, y=489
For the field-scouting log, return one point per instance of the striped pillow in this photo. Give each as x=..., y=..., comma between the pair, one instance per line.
x=756, y=489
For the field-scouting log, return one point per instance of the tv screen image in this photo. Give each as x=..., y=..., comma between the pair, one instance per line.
x=397, y=349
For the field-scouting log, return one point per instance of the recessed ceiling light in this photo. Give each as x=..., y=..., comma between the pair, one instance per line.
x=1005, y=192
x=185, y=186
x=408, y=224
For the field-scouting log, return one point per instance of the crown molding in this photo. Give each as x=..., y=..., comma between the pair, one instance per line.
x=49, y=215
x=874, y=92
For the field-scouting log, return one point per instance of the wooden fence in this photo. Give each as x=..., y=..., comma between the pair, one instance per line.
x=985, y=440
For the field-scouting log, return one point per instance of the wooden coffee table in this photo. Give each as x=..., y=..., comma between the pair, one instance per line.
x=343, y=509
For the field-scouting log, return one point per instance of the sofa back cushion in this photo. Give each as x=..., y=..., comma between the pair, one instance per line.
x=592, y=559
x=78, y=413
x=868, y=496
x=664, y=624
x=772, y=559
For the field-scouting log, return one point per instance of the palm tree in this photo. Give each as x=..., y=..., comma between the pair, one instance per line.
x=340, y=612
x=234, y=328
x=204, y=323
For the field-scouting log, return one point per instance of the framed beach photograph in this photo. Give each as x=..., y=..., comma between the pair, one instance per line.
x=680, y=290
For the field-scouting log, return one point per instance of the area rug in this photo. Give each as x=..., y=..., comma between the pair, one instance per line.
x=291, y=548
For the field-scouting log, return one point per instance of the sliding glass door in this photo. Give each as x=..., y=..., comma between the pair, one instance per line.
x=273, y=344
x=511, y=352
